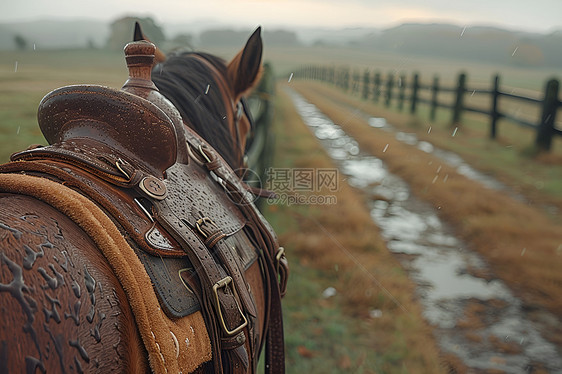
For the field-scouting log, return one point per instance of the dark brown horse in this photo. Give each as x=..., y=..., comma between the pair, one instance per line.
x=129, y=244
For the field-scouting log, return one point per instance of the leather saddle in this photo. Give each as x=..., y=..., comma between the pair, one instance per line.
x=190, y=219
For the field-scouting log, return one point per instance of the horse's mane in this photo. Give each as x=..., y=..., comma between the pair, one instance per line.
x=189, y=84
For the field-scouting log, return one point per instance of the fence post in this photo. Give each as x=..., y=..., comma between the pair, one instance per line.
x=401, y=91
x=458, y=106
x=366, y=80
x=389, y=85
x=355, y=83
x=434, y=102
x=415, y=87
x=495, y=114
x=545, y=129
x=344, y=79
x=340, y=78
x=377, y=88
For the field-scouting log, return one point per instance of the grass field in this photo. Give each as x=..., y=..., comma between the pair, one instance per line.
x=287, y=60
x=25, y=77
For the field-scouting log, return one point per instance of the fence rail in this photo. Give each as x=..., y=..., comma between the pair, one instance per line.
x=390, y=88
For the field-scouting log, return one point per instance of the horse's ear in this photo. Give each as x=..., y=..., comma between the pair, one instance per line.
x=138, y=35
x=245, y=69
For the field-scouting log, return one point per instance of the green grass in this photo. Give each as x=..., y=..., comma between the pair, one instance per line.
x=22, y=87
x=320, y=338
x=479, y=75
x=18, y=116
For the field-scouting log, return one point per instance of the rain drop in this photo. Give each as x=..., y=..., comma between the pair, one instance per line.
x=329, y=292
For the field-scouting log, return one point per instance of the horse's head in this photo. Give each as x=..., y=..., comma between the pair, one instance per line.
x=209, y=94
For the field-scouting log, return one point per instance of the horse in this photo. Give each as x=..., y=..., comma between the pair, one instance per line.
x=130, y=243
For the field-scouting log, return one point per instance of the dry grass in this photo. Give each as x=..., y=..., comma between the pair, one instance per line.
x=342, y=243
x=521, y=243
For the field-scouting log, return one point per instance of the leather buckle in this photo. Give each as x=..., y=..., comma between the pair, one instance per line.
x=223, y=283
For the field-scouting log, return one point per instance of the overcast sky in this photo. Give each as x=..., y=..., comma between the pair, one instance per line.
x=529, y=15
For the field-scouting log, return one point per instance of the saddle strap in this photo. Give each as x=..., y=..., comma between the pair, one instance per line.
x=275, y=261
x=228, y=306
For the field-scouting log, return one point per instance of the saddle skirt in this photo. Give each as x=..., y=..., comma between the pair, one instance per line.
x=189, y=219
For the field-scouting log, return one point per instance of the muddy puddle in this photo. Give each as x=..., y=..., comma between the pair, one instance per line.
x=475, y=318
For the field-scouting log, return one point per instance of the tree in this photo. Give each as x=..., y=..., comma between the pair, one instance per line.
x=122, y=32
x=21, y=42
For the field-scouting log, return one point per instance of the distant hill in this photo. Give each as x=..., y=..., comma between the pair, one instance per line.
x=481, y=43
x=55, y=34
x=229, y=37
x=325, y=36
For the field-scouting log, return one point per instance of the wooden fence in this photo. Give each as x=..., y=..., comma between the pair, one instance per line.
x=391, y=88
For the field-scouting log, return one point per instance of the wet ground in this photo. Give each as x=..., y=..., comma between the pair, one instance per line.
x=476, y=318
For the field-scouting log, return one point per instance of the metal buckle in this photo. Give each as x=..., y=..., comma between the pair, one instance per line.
x=222, y=284
x=119, y=165
x=280, y=253
x=203, y=222
x=205, y=156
